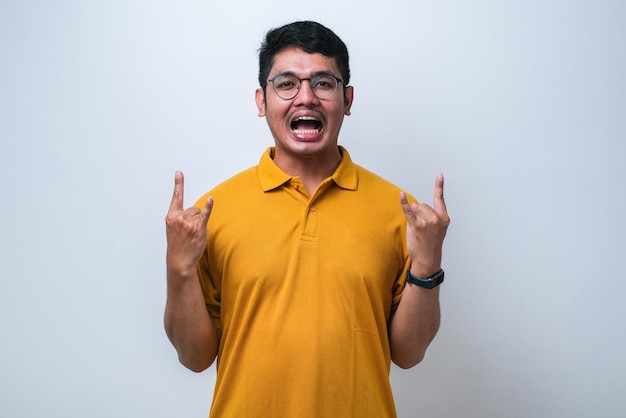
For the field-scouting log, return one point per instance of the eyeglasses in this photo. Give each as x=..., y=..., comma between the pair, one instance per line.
x=287, y=86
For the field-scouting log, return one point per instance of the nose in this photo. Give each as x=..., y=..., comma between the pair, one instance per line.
x=305, y=94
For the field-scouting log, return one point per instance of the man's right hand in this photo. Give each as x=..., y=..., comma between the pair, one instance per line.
x=187, y=321
x=186, y=230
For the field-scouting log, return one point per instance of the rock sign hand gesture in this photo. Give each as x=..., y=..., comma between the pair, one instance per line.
x=185, y=230
x=425, y=232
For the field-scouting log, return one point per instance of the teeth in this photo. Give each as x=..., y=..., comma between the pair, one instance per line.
x=306, y=131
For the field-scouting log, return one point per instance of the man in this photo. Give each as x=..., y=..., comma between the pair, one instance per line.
x=294, y=279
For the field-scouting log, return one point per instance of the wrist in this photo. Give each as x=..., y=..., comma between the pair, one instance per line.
x=427, y=282
x=179, y=263
x=422, y=271
x=180, y=271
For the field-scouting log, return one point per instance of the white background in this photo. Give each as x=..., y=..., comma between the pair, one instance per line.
x=522, y=104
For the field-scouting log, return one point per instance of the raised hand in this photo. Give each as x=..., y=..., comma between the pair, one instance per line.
x=425, y=232
x=185, y=230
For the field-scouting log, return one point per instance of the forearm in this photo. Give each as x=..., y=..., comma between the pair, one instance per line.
x=187, y=321
x=414, y=325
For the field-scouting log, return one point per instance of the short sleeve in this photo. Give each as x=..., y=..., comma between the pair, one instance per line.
x=398, y=286
x=209, y=290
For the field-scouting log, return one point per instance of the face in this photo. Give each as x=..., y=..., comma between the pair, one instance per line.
x=304, y=126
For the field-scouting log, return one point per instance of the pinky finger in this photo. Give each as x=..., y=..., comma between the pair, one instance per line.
x=404, y=202
x=208, y=207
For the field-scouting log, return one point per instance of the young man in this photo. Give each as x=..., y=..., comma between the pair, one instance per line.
x=294, y=279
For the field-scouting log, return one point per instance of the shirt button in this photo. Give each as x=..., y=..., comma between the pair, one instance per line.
x=313, y=208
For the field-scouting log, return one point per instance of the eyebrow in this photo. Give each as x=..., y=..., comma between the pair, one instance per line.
x=318, y=73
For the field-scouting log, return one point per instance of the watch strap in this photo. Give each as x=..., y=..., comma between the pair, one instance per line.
x=429, y=283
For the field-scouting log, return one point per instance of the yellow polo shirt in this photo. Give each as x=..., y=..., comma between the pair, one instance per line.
x=302, y=288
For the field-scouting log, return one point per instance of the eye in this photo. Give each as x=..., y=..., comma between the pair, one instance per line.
x=324, y=82
x=286, y=83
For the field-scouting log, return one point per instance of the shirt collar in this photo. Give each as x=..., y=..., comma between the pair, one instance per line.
x=271, y=176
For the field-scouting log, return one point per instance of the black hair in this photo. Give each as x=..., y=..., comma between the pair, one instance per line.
x=309, y=36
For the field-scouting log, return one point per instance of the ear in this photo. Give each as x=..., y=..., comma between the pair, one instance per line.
x=348, y=97
x=259, y=97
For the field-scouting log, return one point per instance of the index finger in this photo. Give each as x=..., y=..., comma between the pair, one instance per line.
x=179, y=191
x=439, y=203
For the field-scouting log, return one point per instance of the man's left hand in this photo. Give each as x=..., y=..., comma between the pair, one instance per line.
x=425, y=232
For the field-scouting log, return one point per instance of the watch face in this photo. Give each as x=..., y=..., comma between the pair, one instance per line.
x=438, y=278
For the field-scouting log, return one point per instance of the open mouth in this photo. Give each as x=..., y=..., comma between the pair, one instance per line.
x=306, y=125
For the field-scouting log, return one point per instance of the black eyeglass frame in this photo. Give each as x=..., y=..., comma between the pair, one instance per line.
x=300, y=80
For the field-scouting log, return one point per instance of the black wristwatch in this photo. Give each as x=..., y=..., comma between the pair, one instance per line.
x=433, y=281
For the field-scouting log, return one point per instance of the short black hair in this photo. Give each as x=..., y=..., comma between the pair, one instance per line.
x=309, y=36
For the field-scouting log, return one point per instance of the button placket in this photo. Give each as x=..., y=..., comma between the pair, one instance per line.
x=310, y=230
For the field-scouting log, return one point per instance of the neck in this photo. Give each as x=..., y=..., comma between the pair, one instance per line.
x=311, y=169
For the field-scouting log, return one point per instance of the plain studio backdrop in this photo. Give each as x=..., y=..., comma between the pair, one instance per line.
x=521, y=104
